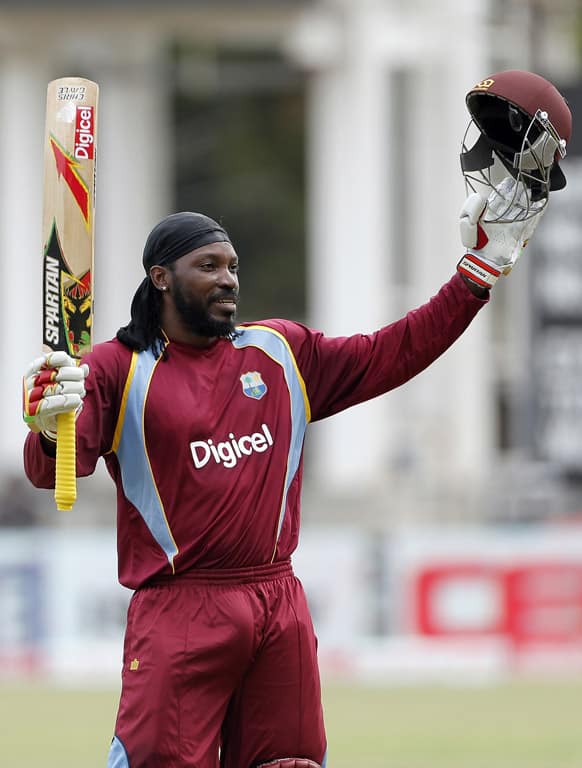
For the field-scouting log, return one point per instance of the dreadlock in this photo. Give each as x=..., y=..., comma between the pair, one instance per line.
x=144, y=330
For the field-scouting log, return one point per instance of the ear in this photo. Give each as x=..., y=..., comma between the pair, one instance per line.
x=159, y=277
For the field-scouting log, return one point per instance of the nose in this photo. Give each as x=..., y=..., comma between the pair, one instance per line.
x=227, y=279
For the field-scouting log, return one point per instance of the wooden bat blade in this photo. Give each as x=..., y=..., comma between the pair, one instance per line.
x=68, y=242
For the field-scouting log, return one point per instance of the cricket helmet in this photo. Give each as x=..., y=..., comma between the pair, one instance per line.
x=521, y=125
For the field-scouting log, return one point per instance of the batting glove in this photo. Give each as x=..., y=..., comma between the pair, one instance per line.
x=493, y=246
x=53, y=384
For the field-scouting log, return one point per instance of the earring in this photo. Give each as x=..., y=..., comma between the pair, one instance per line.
x=164, y=287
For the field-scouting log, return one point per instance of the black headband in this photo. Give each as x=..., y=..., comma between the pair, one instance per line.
x=179, y=234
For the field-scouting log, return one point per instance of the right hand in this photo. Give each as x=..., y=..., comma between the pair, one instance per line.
x=53, y=384
x=493, y=247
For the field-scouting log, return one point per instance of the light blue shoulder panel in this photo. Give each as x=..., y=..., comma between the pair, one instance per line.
x=139, y=485
x=276, y=347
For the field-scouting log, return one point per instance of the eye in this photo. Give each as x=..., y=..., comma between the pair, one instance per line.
x=234, y=268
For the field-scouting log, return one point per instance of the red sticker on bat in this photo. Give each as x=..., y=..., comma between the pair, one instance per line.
x=84, y=133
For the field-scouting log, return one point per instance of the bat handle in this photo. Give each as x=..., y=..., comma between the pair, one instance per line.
x=66, y=469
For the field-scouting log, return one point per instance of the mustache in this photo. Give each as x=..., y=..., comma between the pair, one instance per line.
x=230, y=295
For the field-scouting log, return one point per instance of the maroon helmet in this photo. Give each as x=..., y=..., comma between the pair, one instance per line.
x=524, y=125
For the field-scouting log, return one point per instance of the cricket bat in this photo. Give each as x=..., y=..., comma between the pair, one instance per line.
x=68, y=225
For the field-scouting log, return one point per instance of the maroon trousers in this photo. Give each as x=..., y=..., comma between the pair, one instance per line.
x=220, y=663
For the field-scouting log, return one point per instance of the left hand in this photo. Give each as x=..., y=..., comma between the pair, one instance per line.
x=493, y=247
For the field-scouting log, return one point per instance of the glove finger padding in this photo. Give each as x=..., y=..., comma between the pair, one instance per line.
x=53, y=384
x=50, y=361
x=472, y=210
x=496, y=232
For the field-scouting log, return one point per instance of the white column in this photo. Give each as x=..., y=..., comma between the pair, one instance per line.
x=348, y=221
x=22, y=106
x=454, y=410
x=133, y=175
x=353, y=189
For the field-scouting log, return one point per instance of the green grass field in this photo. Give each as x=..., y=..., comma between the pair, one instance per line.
x=521, y=725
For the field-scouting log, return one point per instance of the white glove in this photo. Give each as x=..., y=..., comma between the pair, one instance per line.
x=53, y=384
x=495, y=246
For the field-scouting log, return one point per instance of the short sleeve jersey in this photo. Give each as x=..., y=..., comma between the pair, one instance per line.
x=205, y=446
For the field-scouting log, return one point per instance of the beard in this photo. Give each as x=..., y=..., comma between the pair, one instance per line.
x=194, y=314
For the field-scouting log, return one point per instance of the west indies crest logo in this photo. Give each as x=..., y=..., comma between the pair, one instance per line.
x=253, y=385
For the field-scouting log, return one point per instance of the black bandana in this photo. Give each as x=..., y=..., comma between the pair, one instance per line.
x=179, y=234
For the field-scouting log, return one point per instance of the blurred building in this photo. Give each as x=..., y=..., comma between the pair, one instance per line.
x=325, y=135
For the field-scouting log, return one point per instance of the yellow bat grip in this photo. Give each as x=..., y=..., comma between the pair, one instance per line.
x=66, y=468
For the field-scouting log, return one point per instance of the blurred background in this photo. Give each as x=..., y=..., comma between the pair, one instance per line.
x=442, y=533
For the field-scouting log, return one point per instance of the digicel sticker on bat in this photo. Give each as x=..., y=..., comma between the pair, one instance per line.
x=84, y=133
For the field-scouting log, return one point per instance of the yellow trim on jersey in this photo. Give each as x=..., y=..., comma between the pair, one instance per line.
x=293, y=360
x=121, y=416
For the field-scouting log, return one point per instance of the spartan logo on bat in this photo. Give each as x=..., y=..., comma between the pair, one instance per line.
x=66, y=302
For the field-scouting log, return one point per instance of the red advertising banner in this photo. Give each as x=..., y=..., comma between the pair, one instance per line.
x=536, y=602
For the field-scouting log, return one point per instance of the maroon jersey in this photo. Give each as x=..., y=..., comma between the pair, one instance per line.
x=205, y=445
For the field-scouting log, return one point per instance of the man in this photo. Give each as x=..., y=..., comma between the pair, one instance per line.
x=201, y=424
